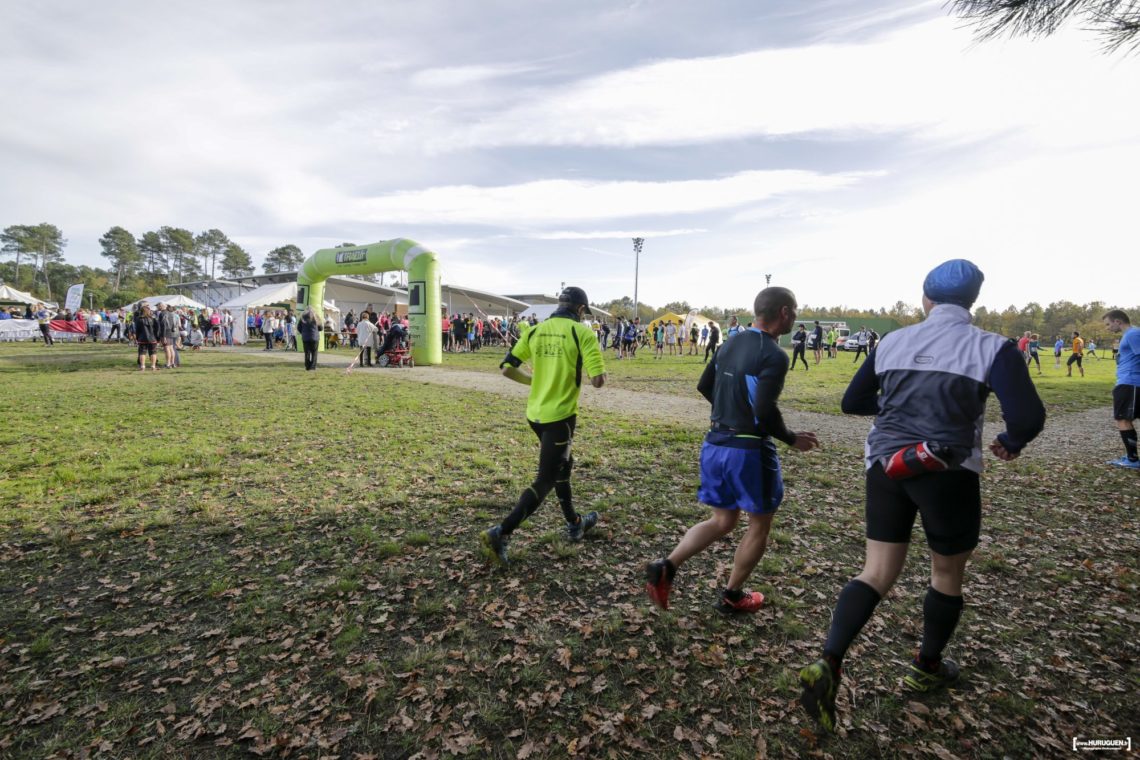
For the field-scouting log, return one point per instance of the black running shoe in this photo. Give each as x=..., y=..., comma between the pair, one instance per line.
x=494, y=540
x=821, y=685
x=576, y=531
x=919, y=679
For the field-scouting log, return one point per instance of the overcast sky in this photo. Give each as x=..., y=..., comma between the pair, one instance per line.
x=842, y=147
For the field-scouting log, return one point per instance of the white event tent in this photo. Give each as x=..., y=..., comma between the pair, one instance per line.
x=9, y=295
x=277, y=294
x=177, y=301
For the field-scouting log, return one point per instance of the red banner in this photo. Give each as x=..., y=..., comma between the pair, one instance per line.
x=73, y=326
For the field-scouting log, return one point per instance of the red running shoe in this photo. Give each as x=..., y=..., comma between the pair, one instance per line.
x=658, y=584
x=750, y=602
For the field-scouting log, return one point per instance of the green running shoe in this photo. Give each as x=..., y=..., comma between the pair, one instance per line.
x=820, y=688
x=921, y=680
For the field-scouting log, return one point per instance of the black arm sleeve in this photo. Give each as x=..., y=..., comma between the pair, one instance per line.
x=708, y=381
x=1021, y=407
x=769, y=384
x=862, y=395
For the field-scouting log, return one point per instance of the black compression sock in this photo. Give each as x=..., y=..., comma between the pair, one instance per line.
x=1129, y=438
x=940, y=614
x=670, y=569
x=857, y=602
x=733, y=594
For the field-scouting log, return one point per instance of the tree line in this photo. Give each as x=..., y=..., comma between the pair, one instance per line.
x=149, y=264
x=138, y=266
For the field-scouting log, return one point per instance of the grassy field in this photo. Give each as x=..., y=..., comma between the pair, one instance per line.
x=240, y=557
x=821, y=387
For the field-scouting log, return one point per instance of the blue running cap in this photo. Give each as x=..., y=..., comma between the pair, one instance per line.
x=956, y=281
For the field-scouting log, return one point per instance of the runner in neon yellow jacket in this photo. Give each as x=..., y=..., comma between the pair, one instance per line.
x=560, y=350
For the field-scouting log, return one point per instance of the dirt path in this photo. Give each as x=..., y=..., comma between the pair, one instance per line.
x=1080, y=434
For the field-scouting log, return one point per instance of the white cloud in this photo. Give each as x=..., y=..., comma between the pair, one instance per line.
x=462, y=76
x=610, y=234
x=558, y=200
x=1040, y=233
x=927, y=78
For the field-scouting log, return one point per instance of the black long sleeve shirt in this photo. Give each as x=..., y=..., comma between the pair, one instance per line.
x=743, y=384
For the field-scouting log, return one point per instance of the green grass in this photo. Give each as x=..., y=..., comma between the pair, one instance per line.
x=239, y=555
x=820, y=389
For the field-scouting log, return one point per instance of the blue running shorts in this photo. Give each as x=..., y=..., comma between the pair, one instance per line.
x=747, y=479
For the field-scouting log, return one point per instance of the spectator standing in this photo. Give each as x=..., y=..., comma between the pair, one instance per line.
x=1058, y=347
x=268, y=328
x=350, y=325
x=115, y=319
x=146, y=335
x=816, y=341
x=94, y=320
x=366, y=337
x=629, y=340
x=43, y=317
x=733, y=328
x=310, y=335
x=291, y=330
x=671, y=336
x=799, y=347
x=216, y=337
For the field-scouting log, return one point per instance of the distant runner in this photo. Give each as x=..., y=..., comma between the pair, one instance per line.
x=1126, y=394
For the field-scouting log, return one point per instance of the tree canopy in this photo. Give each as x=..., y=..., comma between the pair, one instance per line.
x=1116, y=21
x=283, y=259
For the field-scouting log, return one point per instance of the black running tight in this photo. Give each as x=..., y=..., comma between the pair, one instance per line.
x=554, y=465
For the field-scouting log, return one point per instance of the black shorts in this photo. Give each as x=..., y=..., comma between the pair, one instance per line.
x=146, y=349
x=1126, y=402
x=950, y=504
x=1074, y=359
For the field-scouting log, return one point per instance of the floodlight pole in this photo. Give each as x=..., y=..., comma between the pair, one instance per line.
x=637, y=243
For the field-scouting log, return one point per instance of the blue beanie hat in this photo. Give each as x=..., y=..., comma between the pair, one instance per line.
x=956, y=281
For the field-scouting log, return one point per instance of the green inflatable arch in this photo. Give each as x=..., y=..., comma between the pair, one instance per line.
x=386, y=256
